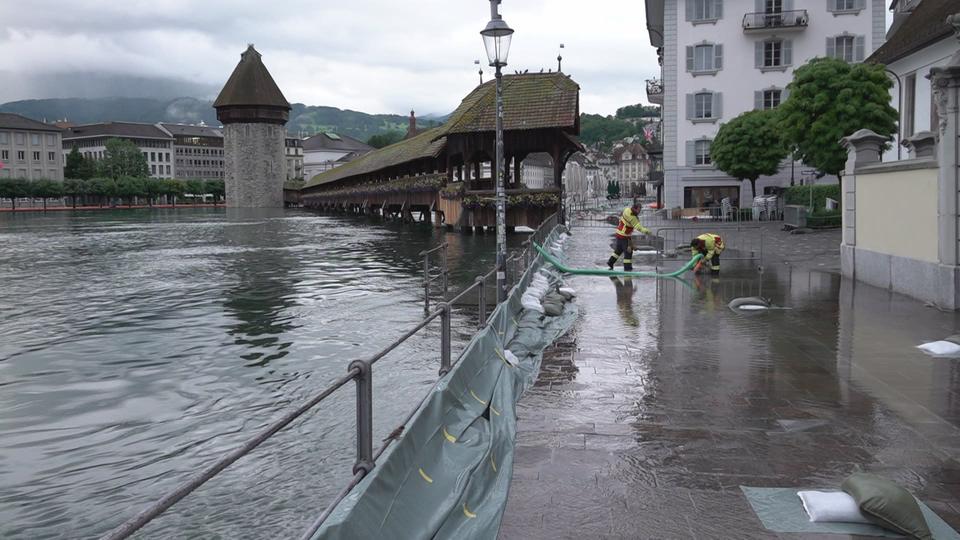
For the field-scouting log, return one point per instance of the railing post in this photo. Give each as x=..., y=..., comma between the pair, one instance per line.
x=364, y=416
x=481, y=303
x=444, y=338
x=426, y=282
x=444, y=270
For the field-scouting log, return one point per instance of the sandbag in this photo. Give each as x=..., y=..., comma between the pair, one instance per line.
x=567, y=292
x=552, y=309
x=940, y=348
x=742, y=303
x=531, y=303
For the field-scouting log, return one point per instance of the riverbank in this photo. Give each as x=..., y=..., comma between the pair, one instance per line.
x=661, y=402
x=118, y=207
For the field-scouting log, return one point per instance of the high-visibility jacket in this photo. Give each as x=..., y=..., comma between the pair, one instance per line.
x=628, y=222
x=713, y=244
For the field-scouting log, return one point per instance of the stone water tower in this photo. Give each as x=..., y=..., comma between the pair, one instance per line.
x=254, y=115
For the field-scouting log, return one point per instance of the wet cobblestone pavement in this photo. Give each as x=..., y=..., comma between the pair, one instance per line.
x=661, y=401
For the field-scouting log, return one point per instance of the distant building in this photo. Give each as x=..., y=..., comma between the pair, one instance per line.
x=155, y=142
x=198, y=151
x=918, y=40
x=29, y=149
x=633, y=166
x=293, y=151
x=412, y=129
x=254, y=114
x=325, y=151
x=536, y=171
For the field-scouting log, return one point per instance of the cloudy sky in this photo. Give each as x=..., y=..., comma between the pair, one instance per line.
x=369, y=55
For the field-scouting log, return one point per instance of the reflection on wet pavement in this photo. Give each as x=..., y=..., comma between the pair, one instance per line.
x=662, y=401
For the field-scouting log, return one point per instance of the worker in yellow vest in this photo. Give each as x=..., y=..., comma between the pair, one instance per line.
x=629, y=220
x=710, y=246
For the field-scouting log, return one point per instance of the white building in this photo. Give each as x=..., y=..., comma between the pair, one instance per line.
x=918, y=40
x=155, y=142
x=633, y=167
x=197, y=151
x=721, y=58
x=293, y=152
x=536, y=170
x=325, y=151
x=29, y=149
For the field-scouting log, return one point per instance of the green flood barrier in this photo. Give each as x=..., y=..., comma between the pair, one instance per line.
x=449, y=473
x=599, y=272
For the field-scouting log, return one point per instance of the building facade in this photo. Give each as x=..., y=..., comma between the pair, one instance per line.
x=918, y=40
x=155, y=142
x=29, y=149
x=325, y=151
x=633, y=166
x=254, y=114
x=197, y=151
x=293, y=152
x=721, y=58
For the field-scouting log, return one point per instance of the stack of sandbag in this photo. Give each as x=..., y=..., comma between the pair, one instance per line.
x=535, y=292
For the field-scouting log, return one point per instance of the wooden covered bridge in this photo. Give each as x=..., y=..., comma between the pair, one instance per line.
x=438, y=174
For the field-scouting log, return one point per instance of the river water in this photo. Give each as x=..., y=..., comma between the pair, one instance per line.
x=137, y=346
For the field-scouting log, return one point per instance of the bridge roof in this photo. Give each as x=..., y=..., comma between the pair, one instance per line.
x=531, y=101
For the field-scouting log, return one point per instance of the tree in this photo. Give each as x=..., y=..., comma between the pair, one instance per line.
x=749, y=146
x=216, y=188
x=638, y=111
x=13, y=188
x=123, y=158
x=153, y=188
x=830, y=99
x=87, y=168
x=385, y=139
x=195, y=188
x=45, y=189
x=73, y=165
x=130, y=188
x=103, y=188
x=173, y=189
x=74, y=188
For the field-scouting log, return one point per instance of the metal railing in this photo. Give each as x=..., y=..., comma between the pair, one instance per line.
x=741, y=242
x=441, y=273
x=797, y=18
x=361, y=372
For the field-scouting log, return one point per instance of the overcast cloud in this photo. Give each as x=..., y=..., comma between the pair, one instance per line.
x=369, y=55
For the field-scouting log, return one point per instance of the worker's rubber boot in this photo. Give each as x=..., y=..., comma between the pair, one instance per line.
x=611, y=261
x=715, y=271
x=628, y=265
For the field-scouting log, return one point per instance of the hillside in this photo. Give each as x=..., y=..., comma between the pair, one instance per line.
x=303, y=118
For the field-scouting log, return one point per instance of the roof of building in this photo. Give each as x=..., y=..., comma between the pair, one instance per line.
x=192, y=131
x=333, y=141
x=250, y=84
x=636, y=150
x=116, y=129
x=530, y=101
x=926, y=25
x=15, y=121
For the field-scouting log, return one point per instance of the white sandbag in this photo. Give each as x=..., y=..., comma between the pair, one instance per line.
x=511, y=358
x=831, y=506
x=531, y=303
x=567, y=291
x=940, y=348
x=751, y=307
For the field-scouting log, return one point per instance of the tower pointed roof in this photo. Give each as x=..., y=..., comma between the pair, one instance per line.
x=250, y=85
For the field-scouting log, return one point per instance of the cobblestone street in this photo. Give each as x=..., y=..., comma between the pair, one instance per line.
x=661, y=401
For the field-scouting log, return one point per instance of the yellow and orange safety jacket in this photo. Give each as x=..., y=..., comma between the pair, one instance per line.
x=628, y=222
x=713, y=244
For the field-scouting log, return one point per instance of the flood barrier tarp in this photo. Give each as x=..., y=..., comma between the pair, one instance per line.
x=449, y=474
x=601, y=272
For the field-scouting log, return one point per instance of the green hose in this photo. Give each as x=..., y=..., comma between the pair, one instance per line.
x=598, y=272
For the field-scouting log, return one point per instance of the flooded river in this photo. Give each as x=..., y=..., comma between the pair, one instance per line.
x=138, y=346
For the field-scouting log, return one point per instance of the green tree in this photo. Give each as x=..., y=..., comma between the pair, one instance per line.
x=123, y=158
x=45, y=189
x=749, y=146
x=830, y=99
x=87, y=169
x=74, y=188
x=173, y=188
x=386, y=139
x=195, y=188
x=103, y=188
x=638, y=111
x=129, y=188
x=153, y=188
x=74, y=162
x=14, y=188
x=216, y=188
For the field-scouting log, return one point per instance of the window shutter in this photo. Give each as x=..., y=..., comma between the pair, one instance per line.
x=718, y=9
x=718, y=57
x=858, y=48
x=831, y=5
x=859, y=4
x=758, y=100
x=831, y=47
x=689, y=58
x=717, y=105
x=758, y=54
x=691, y=154
x=784, y=94
x=788, y=5
x=689, y=11
x=787, y=52
x=758, y=6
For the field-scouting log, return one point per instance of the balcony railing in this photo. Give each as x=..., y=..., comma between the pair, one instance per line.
x=781, y=20
x=655, y=91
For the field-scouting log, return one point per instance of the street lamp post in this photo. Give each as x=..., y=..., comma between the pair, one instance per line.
x=496, y=40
